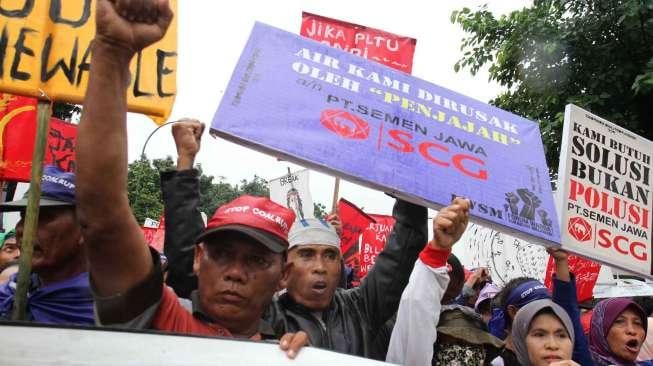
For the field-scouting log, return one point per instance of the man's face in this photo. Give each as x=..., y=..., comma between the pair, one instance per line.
x=58, y=238
x=10, y=251
x=313, y=275
x=237, y=277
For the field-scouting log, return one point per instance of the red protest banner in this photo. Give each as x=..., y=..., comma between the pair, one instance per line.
x=373, y=241
x=586, y=272
x=158, y=238
x=155, y=233
x=149, y=233
x=374, y=44
x=354, y=221
x=149, y=229
x=61, y=145
x=16, y=111
x=17, y=135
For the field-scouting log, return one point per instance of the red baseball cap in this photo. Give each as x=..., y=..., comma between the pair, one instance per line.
x=257, y=217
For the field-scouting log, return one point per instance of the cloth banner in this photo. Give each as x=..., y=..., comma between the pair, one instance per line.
x=155, y=236
x=292, y=191
x=18, y=133
x=374, y=44
x=373, y=241
x=150, y=227
x=586, y=272
x=47, y=51
x=605, y=181
x=354, y=222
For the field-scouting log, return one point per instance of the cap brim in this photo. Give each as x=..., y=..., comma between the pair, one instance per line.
x=22, y=203
x=269, y=240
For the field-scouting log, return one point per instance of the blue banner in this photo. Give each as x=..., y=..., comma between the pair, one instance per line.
x=295, y=98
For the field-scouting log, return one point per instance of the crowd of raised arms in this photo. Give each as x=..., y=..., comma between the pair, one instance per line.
x=253, y=271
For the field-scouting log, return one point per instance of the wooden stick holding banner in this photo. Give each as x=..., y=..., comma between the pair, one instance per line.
x=3, y=197
x=336, y=193
x=44, y=111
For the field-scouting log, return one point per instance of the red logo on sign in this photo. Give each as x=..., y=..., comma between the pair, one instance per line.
x=344, y=124
x=579, y=229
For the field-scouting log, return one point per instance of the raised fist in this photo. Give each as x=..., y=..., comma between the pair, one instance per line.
x=450, y=224
x=131, y=25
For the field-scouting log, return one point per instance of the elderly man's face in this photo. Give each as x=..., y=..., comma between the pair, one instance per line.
x=237, y=277
x=58, y=240
x=10, y=251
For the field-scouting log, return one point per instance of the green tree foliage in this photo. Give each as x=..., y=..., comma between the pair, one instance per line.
x=144, y=189
x=319, y=210
x=597, y=54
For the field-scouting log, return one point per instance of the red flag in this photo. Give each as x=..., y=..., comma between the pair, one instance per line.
x=374, y=44
x=586, y=272
x=158, y=239
x=149, y=233
x=149, y=229
x=354, y=221
x=17, y=134
x=62, y=140
x=373, y=241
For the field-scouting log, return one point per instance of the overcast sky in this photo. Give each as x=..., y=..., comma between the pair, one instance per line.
x=212, y=34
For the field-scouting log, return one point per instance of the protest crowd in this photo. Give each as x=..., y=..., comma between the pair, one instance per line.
x=253, y=271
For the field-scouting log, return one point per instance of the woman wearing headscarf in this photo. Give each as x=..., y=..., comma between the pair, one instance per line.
x=617, y=331
x=521, y=291
x=543, y=334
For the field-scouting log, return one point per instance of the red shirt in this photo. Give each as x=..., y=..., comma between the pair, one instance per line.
x=173, y=317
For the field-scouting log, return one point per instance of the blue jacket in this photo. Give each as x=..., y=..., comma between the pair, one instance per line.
x=564, y=294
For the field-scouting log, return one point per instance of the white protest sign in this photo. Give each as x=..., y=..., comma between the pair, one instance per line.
x=151, y=223
x=59, y=345
x=291, y=190
x=505, y=256
x=605, y=198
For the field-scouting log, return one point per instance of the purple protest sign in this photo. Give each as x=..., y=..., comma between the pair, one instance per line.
x=295, y=98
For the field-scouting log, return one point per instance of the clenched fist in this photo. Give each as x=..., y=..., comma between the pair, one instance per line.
x=450, y=224
x=128, y=26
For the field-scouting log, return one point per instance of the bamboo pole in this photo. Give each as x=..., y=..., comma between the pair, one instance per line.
x=3, y=190
x=44, y=112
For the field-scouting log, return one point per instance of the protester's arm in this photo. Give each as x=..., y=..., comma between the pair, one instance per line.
x=119, y=258
x=419, y=310
x=292, y=343
x=181, y=195
x=564, y=294
x=380, y=291
x=415, y=330
x=468, y=291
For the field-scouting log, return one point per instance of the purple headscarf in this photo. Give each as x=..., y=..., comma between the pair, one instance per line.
x=604, y=315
